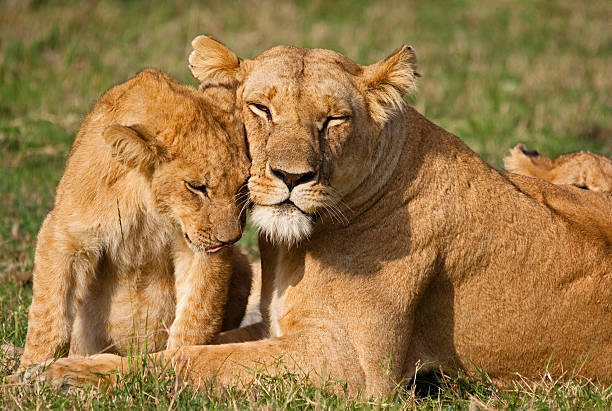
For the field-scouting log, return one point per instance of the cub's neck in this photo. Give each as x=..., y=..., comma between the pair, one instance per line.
x=220, y=97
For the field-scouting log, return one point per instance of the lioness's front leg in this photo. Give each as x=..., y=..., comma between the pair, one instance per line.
x=229, y=364
x=201, y=291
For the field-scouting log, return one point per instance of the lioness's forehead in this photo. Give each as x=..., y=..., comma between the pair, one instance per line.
x=299, y=58
x=285, y=70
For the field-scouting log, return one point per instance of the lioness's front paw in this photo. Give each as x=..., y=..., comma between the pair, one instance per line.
x=74, y=370
x=33, y=374
x=16, y=378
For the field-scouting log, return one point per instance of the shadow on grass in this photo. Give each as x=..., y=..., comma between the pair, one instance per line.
x=429, y=384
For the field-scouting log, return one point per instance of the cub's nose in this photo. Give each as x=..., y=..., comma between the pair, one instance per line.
x=291, y=179
x=229, y=238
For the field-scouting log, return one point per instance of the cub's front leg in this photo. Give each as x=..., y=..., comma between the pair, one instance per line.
x=63, y=268
x=202, y=283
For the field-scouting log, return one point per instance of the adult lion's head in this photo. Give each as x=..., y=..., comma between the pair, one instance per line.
x=313, y=119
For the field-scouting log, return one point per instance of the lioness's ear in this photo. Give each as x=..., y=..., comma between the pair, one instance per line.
x=130, y=147
x=212, y=62
x=388, y=80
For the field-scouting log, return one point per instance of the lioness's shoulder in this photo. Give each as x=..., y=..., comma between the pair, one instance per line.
x=589, y=211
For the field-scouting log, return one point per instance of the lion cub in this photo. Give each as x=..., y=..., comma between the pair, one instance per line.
x=582, y=169
x=133, y=255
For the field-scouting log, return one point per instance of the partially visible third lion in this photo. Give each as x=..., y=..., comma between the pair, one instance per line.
x=582, y=169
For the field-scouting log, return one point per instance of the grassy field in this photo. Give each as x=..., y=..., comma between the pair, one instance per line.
x=495, y=73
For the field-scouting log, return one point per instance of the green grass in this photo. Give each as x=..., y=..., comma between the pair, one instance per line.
x=495, y=73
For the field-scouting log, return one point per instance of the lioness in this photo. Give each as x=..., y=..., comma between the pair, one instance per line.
x=582, y=169
x=136, y=241
x=386, y=243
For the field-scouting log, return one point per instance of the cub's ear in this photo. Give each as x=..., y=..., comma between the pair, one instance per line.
x=388, y=80
x=212, y=62
x=130, y=147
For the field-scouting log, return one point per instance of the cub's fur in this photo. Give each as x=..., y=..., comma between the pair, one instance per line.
x=133, y=253
x=411, y=251
x=581, y=169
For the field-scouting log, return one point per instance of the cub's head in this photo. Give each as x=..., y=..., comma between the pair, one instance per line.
x=313, y=119
x=192, y=155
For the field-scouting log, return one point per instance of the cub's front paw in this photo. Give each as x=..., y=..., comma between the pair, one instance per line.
x=173, y=343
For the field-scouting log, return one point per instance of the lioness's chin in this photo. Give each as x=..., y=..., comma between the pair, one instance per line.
x=282, y=223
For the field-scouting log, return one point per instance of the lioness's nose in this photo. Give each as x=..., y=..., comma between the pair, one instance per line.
x=291, y=179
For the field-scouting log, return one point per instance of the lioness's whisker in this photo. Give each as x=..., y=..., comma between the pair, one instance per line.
x=246, y=205
x=333, y=212
x=241, y=196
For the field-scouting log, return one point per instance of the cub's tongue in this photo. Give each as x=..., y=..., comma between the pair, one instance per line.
x=215, y=249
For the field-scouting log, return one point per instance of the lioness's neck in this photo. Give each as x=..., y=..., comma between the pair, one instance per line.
x=383, y=163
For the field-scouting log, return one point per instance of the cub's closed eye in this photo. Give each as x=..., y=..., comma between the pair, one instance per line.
x=255, y=107
x=332, y=121
x=196, y=188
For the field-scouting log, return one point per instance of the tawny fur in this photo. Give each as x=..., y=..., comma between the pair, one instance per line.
x=121, y=260
x=581, y=169
x=419, y=254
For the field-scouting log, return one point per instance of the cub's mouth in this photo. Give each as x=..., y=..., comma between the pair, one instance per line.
x=217, y=248
x=283, y=223
x=204, y=249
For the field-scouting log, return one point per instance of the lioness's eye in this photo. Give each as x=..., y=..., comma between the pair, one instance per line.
x=196, y=188
x=259, y=109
